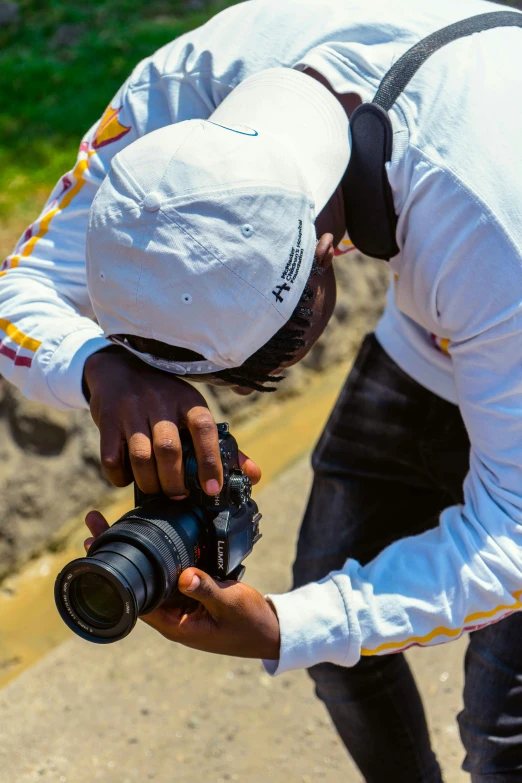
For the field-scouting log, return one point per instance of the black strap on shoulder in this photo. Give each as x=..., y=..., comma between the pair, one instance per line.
x=368, y=200
x=407, y=66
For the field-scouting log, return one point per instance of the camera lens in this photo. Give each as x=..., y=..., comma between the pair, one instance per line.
x=96, y=600
x=130, y=569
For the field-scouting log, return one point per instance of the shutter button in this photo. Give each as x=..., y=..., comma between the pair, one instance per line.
x=152, y=202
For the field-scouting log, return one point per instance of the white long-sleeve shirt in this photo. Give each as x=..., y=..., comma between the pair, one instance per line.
x=454, y=315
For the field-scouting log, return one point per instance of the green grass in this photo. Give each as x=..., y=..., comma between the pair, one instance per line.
x=59, y=67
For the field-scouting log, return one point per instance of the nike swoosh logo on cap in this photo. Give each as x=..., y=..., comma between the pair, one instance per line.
x=244, y=130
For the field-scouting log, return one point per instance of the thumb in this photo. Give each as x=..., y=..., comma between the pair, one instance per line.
x=199, y=585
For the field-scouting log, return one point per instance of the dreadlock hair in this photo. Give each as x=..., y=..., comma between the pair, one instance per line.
x=255, y=371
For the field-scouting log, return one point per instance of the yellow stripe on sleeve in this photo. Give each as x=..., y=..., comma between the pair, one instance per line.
x=444, y=344
x=441, y=631
x=28, y=248
x=18, y=336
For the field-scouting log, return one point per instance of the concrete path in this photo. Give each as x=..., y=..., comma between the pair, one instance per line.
x=146, y=710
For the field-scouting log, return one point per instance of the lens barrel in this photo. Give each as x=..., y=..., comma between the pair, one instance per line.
x=130, y=569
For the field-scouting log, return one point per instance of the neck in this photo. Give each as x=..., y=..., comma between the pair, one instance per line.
x=348, y=100
x=331, y=220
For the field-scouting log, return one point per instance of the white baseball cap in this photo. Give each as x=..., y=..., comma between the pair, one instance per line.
x=202, y=235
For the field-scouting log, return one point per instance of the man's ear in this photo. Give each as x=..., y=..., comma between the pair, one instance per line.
x=324, y=252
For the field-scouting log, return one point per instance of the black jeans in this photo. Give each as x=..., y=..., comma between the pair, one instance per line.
x=392, y=456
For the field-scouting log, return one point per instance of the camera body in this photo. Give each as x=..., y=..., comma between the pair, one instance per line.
x=231, y=518
x=134, y=567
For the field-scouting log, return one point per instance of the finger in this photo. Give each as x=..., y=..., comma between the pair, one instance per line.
x=169, y=458
x=142, y=459
x=204, y=433
x=96, y=523
x=243, y=391
x=113, y=449
x=193, y=629
x=87, y=543
x=211, y=594
x=164, y=621
x=250, y=468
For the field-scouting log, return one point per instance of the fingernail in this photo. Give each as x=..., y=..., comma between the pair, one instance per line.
x=212, y=487
x=196, y=581
x=178, y=497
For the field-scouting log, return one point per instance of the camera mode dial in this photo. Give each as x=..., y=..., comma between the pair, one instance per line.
x=239, y=488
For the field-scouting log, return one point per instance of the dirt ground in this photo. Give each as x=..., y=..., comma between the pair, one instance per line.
x=144, y=709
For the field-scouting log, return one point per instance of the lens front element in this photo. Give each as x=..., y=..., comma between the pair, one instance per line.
x=129, y=570
x=96, y=600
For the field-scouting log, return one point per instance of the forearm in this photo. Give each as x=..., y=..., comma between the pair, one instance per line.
x=46, y=316
x=44, y=341
x=421, y=590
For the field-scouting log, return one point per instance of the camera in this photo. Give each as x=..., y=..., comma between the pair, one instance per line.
x=134, y=566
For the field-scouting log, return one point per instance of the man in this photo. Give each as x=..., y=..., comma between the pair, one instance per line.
x=207, y=204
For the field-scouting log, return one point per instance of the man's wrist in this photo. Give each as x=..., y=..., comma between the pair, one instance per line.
x=106, y=349
x=277, y=643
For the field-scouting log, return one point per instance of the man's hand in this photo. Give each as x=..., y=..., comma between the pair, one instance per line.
x=138, y=411
x=231, y=618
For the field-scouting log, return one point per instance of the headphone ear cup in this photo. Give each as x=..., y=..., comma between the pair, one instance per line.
x=371, y=221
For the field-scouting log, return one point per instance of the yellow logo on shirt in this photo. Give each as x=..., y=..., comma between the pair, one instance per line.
x=110, y=128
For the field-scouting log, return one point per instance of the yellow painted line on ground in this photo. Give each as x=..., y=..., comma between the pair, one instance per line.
x=29, y=623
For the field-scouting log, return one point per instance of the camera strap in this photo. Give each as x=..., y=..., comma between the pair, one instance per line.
x=371, y=221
